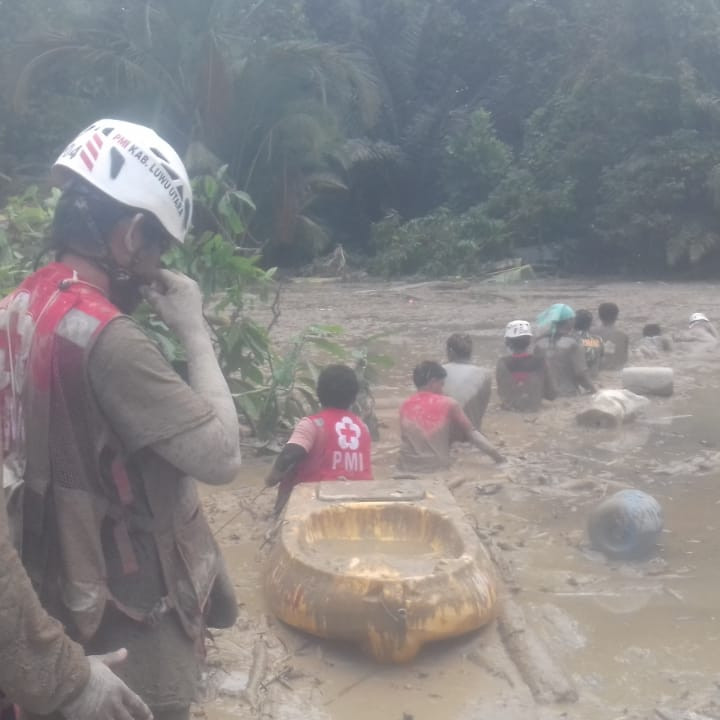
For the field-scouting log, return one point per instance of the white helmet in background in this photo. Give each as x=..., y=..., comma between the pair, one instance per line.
x=518, y=328
x=698, y=317
x=133, y=165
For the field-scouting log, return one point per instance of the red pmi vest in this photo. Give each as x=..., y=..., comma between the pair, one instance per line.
x=50, y=311
x=341, y=450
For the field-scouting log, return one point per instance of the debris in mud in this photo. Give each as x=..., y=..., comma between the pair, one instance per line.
x=626, y=525
x=488, y=489
x=612, y=408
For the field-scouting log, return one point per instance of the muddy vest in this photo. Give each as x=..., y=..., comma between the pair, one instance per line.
x=77, y=483
x=521, y=381
x=342, y=449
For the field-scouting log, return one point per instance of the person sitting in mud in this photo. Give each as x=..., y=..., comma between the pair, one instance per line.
x=469, y=384
x=564, y=354
x=431, y=421
x=653, y=343
x=333, y=444
x=701, y=332
x=616, y=343
x=591, y=343
x=522, y=378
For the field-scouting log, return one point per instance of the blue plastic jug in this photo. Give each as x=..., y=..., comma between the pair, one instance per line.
x=626, y=525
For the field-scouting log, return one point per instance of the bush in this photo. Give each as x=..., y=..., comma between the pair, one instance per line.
x=474, y=161
x=444, y=243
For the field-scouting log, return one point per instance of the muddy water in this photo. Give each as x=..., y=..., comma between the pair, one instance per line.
x=630, y=635
x=634, y=634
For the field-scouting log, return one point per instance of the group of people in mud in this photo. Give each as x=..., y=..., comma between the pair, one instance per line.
x=106, y=558
x=565, y=359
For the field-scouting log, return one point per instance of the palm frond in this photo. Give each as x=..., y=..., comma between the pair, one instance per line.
x=363, y=152
x=398, y=55
x=93, y=54
x=335, y=71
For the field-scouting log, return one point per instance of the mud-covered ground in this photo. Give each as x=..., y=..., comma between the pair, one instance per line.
x=636, y=640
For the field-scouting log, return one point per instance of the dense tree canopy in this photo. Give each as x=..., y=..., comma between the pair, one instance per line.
x=432, y=134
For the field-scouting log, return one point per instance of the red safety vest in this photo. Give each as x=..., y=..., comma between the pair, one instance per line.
x=51, y=311
x=341, y=450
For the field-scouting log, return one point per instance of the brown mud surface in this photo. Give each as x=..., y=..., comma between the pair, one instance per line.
x=638, y=641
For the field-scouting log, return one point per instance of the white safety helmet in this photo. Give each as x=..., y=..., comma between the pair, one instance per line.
x=133, y=165
x=698, y=317
x=518, y=328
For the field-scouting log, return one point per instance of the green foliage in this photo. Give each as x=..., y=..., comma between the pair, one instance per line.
x=658, y=207
x=475, y=161
x=24, y=225
x=444, y=243
x=333, y=116
x=275, y=400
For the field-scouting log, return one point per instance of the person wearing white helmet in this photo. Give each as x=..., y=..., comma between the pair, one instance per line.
x=700, y=335
x=700, y=321
x=102, y=432
x=522, y=378
x=469, y=384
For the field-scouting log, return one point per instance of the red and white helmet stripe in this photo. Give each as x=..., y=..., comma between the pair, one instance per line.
x=135, y=166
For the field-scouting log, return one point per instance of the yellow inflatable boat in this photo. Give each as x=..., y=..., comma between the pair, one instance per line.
x=388, y=565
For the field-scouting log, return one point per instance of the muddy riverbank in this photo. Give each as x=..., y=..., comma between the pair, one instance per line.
x=632, y=637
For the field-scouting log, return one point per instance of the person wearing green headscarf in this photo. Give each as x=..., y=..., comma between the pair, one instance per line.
x=565, y=356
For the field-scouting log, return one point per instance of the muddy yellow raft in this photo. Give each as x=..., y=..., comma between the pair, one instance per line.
x=388, y=565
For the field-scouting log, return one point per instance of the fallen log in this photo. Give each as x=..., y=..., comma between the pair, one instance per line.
x=547, y=681
x=258, y=670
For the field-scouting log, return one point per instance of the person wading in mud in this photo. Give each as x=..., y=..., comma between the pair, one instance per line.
x=523, y=379
x=591, y=343
x=467, y=383
x=104, y=435
x=564, y=355
x=653, y=343
x=333, y=444
x=430, y=422
x=616, y=343
x=701, y=332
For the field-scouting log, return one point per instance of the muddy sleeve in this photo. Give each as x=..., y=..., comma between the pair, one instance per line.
x=40, y=667
x=143, y=398
x=285, y=463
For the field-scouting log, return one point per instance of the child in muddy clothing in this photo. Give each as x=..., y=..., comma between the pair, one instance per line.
x=467, y=383
x=563, y=353
x=591, y=343
x=653, y=344
x=616, y=343
x=523, y=379
x=333, y=444
x=430, y=422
